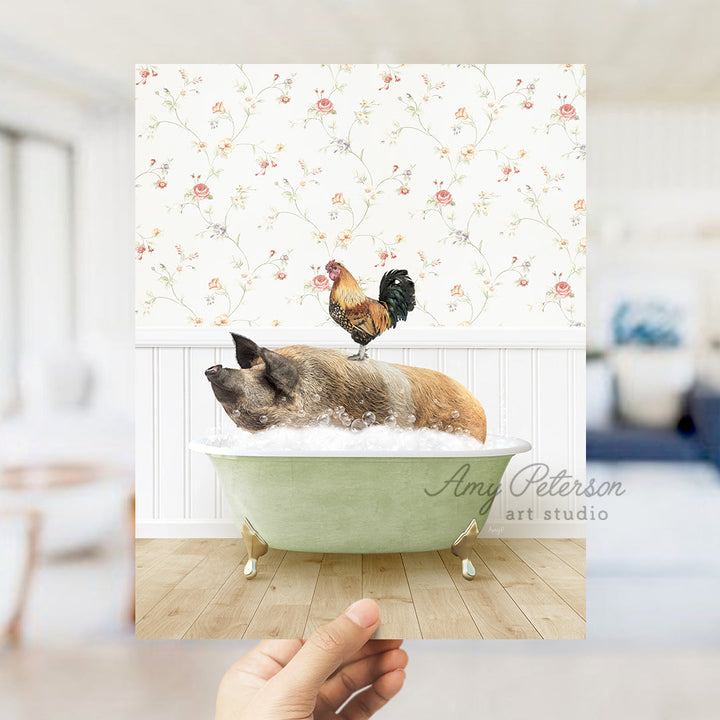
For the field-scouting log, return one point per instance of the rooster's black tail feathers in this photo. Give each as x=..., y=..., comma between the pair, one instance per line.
x=397, y=291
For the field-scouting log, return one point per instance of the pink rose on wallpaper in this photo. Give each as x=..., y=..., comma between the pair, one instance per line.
x=161, y=184
x=522, y=282
x=284, y=99
x=443, y=197
x=338, y=199
x=567, y=111
x=280, y=275
x=579, y=206
x=403, y=189
x=201, y=191
x=144, y=74
x=215, y=284
x=321, y=282
x=562, y=289
x=461, y=114
x=527, y=104
x=218, y=107
x=222, y=320
x=324, y=106
x=457, y=291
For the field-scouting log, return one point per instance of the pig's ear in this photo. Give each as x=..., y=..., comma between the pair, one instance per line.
x=280, y=371
x=246, y=351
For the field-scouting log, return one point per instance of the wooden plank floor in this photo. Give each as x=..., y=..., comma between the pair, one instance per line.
x=522, y=589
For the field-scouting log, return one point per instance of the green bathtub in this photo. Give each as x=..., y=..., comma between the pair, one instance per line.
x=384, y=503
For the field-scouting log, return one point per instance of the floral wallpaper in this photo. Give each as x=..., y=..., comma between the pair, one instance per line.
x=251, y=177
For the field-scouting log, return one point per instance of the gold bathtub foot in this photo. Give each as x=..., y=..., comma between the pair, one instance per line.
x=256, y=547
x=463, y=548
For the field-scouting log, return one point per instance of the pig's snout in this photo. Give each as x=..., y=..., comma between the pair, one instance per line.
x=212, y=371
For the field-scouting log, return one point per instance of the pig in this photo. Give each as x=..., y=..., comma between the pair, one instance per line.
x=298, y=385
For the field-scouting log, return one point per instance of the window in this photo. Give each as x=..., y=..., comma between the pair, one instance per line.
x=38, y=309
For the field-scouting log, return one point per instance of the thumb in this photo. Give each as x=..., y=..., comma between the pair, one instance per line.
x=328, y=647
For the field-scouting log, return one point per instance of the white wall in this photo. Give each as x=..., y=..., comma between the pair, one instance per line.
x=531, y=383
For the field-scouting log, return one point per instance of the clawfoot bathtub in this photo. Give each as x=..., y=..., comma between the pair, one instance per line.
x=332, y=502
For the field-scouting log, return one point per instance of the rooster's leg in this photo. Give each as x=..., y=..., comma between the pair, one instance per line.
x=359, y=355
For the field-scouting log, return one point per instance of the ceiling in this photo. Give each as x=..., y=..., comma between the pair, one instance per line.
x=637, y=51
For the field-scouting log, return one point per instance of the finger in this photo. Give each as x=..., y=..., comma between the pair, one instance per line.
x=358, y=675
x=266, y=659
x=374, y=647
x=280, y=651
x=369, y=701
x=328, y=648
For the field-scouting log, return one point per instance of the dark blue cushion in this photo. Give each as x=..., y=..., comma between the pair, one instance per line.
x=704, y=406
x=634, y=443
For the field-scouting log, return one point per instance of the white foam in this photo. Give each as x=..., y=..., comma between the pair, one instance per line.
x=375, y=440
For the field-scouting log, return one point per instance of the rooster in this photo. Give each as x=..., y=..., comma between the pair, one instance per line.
x=363, y=317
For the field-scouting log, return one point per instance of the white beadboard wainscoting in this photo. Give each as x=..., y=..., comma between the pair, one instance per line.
x=531, y=382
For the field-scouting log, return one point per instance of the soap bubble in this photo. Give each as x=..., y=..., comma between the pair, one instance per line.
x=391, y=421
x=316, y=398
x=367, y=389
x=355, y=440
x=339, y=410
x=411, y=419
x=346, y=419
x=455, y=414
x=361, y=401
x=323, y=419
x=301, y=413
x=448, y=428
x=263, y=419
x=368, y=418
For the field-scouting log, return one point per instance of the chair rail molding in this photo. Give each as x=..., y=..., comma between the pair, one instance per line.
x=331, y=336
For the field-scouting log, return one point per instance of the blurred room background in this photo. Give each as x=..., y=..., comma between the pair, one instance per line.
x=66, y=381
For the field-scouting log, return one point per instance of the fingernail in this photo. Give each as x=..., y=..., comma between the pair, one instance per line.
x=364, y=613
